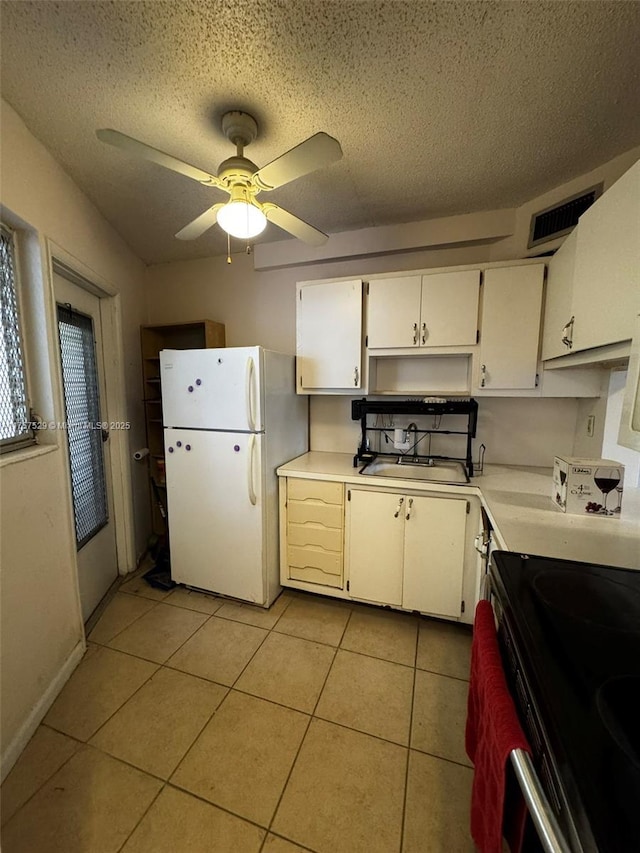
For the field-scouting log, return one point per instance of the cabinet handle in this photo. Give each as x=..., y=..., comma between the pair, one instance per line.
x=408, y=515
x=483, y=375
x=397, y=512
x=567, y=334
x=250, y=487
x=424, y=333
x=249, y=393
x=356, y=376
x=415, y=333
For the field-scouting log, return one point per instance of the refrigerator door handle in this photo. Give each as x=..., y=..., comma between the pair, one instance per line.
x=249, y=393
x=250, y=455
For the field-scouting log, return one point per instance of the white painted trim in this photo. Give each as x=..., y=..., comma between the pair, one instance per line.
x=46, y=700
x=26, y=454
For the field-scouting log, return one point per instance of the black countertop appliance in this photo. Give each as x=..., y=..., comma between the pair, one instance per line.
x=570, y=638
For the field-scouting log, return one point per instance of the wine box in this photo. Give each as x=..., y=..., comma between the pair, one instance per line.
x=589, y=487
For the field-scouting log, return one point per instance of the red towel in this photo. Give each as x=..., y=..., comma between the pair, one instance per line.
x=493, y=730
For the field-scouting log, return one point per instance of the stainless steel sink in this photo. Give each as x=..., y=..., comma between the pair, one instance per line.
x=404, y=468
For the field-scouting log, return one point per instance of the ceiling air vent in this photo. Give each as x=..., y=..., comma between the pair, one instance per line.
x=558, y=220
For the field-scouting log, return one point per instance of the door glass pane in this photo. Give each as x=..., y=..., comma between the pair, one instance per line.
x=82, y=405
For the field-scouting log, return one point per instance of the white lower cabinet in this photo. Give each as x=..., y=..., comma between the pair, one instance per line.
x=376, y=542
x=407, y=550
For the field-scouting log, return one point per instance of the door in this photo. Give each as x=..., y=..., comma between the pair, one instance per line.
x=557, y=326
x=215, y=506
x=329, y=336
x=212, y=388
x=80, y=339
x=434, y=545
x=606, y=297
x=393, y=312
x=376, y=533
x=511, y=311
x=449, y=315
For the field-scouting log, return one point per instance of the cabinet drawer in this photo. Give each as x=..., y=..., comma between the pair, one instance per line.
x=311, y=575
x=315, y=566
x=302, y=512
x=319, y=490
x=328, y=538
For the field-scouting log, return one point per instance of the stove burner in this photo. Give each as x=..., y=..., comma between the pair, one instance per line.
x=590, y=599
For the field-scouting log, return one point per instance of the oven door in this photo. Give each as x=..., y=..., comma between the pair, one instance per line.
x=550, y=827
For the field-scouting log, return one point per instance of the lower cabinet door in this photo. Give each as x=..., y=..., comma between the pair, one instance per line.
x=376, y=533
x=434, y=546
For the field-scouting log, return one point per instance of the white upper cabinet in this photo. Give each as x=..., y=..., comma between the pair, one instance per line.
x=329, y=337
x=435, y=310
x=558, y=325
x=449, y=314
x=393, y=312
x=606, y=292
x=511, y=314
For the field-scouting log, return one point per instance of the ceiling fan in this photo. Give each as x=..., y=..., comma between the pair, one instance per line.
x=243, y=216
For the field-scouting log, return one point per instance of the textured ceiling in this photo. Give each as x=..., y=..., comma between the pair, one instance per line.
x=440, y=107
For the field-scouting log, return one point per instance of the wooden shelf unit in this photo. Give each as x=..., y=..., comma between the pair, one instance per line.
x=203, y=334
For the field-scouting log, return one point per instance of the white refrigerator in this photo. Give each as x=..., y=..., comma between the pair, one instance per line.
x=231, y=417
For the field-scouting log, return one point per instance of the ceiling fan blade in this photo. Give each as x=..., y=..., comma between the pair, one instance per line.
x=298, y=227
x=141, y=149
x=314, y=153
x=200, y=224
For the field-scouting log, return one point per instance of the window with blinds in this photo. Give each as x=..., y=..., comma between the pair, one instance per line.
x=15, y=426
x=84, y=432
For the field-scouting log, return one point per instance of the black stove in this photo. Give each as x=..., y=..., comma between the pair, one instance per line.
x=570, y=637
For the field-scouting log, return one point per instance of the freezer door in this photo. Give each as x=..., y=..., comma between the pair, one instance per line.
x=213, y=388
x=215, y=511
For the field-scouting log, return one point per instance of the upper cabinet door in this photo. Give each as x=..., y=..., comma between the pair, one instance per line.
x=393, y=312
x=449, y=315
x=606, y=295
x=558, y=304
x=329, y=336
x=511, y=312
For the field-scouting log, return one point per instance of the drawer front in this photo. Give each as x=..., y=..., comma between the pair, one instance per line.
x=304, y=512
x=327, y=538
x=311, y=575
x=318, y=490
x=328, y=562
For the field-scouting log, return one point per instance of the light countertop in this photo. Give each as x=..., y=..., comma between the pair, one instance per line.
x=518, y=503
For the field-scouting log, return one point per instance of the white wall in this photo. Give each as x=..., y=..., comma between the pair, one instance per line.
x=514, y=431
x=42, y=631
x=515, y=246
x=258, y=307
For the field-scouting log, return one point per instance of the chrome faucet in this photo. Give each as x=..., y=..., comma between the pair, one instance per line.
x=414, y=428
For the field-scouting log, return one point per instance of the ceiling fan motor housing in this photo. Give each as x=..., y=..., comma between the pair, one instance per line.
x=239, y=128
x=235, y=170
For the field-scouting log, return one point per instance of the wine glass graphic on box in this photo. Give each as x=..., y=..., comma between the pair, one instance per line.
x=606, y=479
x=562, y=496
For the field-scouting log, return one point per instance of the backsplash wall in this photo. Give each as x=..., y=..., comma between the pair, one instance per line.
x=515, y=431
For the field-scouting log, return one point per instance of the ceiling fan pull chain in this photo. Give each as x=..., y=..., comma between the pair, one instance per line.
x=228, y=248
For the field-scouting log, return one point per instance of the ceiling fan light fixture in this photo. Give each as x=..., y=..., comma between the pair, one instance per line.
x=242, y=219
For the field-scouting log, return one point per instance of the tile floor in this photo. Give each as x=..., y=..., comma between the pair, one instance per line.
x=197, y=724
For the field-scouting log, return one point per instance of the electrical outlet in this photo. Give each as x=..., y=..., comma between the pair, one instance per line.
x=591, y=420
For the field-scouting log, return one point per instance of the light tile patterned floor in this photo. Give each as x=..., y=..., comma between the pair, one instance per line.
x=196, y=724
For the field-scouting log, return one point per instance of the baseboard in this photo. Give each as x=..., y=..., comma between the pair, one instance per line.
x=27, y=729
